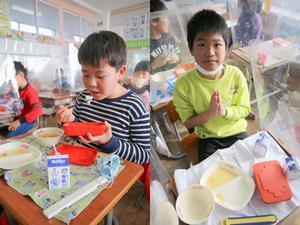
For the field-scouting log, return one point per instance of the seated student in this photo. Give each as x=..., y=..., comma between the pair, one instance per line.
x=32, y=108
x=61, y=85
x=249, y=25
x=103, y=62
x=163, y=47
x=140, y=82
x=214, y=97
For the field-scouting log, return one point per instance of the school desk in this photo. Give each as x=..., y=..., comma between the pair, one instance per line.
x=26, y=212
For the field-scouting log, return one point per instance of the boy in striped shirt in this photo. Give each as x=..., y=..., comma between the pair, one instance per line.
x=103, y=62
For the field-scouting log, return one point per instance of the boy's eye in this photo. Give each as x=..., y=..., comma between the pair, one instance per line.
x=100, y=77
x=85, y=75
x=218, y=44
x=201, y=45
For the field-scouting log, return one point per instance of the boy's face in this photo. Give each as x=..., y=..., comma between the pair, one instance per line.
x=101, y=81
x=161, y=25
x=209, y=50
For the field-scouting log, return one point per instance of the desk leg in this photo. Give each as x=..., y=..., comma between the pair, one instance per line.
x=108, y=220
x=10, y=219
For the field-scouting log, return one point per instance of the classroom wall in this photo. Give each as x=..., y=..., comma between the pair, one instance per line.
x=117, y=19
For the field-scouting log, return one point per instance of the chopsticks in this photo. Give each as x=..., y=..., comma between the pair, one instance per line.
x=66, y=107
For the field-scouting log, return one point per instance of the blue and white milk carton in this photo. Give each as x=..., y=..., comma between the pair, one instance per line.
x=291, y=168
x=262, y=144
x=58, y=172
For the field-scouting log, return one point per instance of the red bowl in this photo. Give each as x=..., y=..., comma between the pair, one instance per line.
x=78, y=155
x=82, y=128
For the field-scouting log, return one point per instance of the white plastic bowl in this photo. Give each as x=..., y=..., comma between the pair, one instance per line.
x=48, y=136
x=195, y=204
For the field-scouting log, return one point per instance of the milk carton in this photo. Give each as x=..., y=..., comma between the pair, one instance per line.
x=262, y=144
x=58, y=172
x=291, y=168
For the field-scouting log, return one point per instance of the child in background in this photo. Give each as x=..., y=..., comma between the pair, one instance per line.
x=214, y=97
x=140, y=82
x=103, y=63
x=32, y=106
x=163, y=48
x=249, y=25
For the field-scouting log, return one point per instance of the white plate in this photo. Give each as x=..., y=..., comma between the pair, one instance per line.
x=17, y=154
x=231, y=186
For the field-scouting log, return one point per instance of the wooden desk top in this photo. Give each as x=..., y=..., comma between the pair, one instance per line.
x=26, y=212
x=159, y=105
x=276, y=55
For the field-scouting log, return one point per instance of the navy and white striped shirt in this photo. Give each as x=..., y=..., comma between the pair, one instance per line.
x=129, y=120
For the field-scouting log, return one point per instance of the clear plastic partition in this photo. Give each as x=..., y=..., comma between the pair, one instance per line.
x=275, y=66
x=246, y=21
x=169, y=54
x=186, y=9
x=44, y=63
x=9, y=95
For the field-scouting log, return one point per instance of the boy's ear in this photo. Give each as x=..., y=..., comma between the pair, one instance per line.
x=122, y=71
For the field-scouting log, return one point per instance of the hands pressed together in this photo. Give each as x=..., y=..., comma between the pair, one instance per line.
x=216, y=106
x=64, y=115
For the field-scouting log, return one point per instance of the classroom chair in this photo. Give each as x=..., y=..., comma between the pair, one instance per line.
x=189, y=142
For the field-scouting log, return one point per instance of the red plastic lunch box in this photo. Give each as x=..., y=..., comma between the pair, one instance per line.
x=271, y=182
x=78, y=155
x=82, y=128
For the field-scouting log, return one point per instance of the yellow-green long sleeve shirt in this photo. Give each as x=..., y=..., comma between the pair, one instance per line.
x=192, y=96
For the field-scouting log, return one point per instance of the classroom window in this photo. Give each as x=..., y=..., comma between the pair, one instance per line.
x=22, y=12
x=14, y=25
x=27, y=28
x=87, y=27
x=46, y=26
x=71, y=26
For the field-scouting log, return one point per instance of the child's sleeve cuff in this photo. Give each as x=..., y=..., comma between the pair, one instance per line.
x=111, y=146
x=229, y=113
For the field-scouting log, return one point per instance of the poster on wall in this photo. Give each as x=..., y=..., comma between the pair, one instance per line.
x=136, y=27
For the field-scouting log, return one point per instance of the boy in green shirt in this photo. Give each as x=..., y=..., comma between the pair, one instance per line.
x=214, y=97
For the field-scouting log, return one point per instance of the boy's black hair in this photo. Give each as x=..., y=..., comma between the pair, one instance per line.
x=206, y=21
x=104, y=46
x=157, y=5
x=19, y=67
x=142, y=66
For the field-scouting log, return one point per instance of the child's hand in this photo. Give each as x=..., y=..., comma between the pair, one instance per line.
x=173, y=58
x=13, y=125
x=101, y=139
x=159, y=61
x=64, y=114
x=216, y=106
x=221, y=108
x=213, y=105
